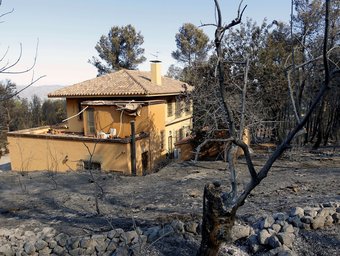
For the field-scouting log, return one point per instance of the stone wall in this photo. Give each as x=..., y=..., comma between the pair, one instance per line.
x=274, y=234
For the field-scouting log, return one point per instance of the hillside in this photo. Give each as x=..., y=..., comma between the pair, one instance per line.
x=41, y=91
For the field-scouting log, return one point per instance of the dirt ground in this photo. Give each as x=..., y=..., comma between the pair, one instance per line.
x=66, y=201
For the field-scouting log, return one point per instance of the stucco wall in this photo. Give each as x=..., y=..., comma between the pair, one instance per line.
x=35, y=153
x=72, y=108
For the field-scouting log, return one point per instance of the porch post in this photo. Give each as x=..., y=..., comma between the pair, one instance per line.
x=133, y=148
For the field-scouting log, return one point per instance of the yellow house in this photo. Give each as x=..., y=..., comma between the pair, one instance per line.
x=127, y=121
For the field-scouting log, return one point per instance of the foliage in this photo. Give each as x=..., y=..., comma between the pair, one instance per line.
x=192, y=45
x=120, y=49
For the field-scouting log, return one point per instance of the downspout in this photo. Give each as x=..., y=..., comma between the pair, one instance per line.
x=133, y=148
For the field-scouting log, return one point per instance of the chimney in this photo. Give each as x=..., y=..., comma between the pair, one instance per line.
x=156, y=77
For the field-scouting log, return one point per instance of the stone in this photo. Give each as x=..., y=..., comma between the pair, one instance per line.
x=75, y=252
x=58, y=250
x=121, y=251
x=4, y=232
x=276, y=227
x=73, y=242
x=307, y=219
x=329, y=220
x=111, y=247
x=45, y=252
x=288, y=228
x=273, y=242
x=152, y=233
x=100, y=246
x=326, y=212
x=178, y=226
x=296, y=221
x=61, y=239
x=253, y=243
x=111, y=234
x=40, y=244
x=311, y=212
x=191, y=227
x=296, y=211
x=328, y=204
x=6, y=250
x=267, y=222
x=130, y=236
x=318, y=222
x=48, y=232
x=52, y=244
x=286, y=239
x=119, y=231
x=263, y=237
x=167, y=230
x=336, y=218
x=239, y=231
x=29, y=248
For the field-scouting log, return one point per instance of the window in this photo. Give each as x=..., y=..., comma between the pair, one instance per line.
x=89, y=165
x=90, y=121
x=181, y=134
x=80, y=116
x=170, y=110
x=178, y=108
x=187, y=106
x=162, y=139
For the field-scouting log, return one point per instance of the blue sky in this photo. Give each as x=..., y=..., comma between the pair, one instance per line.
x=69, y=30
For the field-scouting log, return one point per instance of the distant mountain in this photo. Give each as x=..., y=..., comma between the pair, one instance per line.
x=40, y=90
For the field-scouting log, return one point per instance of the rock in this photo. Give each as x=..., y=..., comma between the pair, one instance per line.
x=310, y=212
x=336, y=218
x=307, y=219
x=296, y=221
x=45, y=252
x=328, y=204
x=75, y=252
x=178, y=226
x=326, y=212
x=4, y=232
x=127, y=237
x=48, y=232
x=6, y=250
x=286, y=238
x=239, y=231
x=152, y=233
x=273, y=242
x=40, y=244
x=288, y=228
x=101, y=246
x=281, y=216
x=111, y=234
x=52, y=244
x=73, y=242
x=61, y=239
x=58, y=250
x=191, y=227
x=329, y=220
x=121, y=251
x=253, y=243
x=296, y=211
x=276, y=227
x=29, y=248
x=263, y=236
x=318, y=222
x=111, y=247
x=267, y=222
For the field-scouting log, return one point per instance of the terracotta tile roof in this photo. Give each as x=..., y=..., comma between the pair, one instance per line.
x=121, y=83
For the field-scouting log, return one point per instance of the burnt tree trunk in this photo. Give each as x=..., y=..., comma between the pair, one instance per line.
x=217, y=220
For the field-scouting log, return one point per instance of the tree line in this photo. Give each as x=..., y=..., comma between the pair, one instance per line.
x=278, y=58
x=19, y=113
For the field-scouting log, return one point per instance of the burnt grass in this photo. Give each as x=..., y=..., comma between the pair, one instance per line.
x=66, y=201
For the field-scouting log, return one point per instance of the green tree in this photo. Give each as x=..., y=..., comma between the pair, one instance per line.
x=35, y=108
x=192, y=45
x=53, y=111
x=120, y=49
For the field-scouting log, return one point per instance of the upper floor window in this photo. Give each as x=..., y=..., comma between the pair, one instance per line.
x=90, y=121
x=178, y=108
x=170, y=109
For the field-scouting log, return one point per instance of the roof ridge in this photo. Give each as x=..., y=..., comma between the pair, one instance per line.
x=134, y=79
